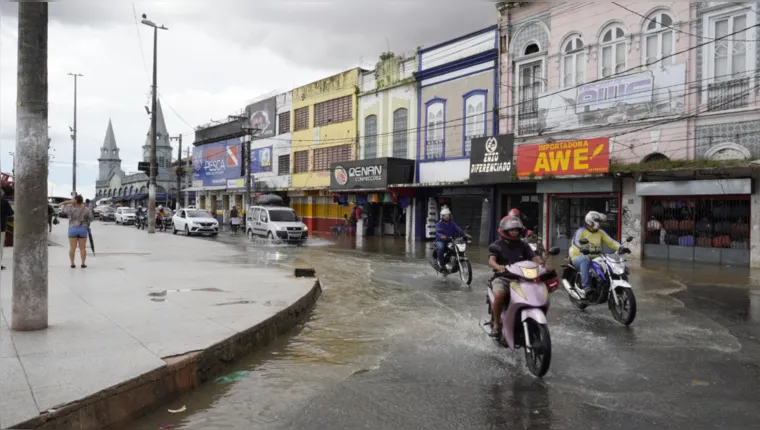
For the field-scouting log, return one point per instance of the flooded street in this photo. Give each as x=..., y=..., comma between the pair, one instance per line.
x=390, y=344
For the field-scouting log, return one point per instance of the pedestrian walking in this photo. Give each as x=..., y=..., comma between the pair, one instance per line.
x=6, y=211
x=79, y=226
x=51, y=215
x=234, y=220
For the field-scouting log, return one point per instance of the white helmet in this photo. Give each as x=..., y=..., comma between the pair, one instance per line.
x=445, y=212
x=594, y=220
x=160, y=207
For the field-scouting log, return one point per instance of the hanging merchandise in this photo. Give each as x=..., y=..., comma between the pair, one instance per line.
x=404, y=201
x=375, y=198
x=335, y=198
x=386, y=197
x=394, y=198
x=362, y=199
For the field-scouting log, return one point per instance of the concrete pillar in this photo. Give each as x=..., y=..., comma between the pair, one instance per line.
x=30, y=256
x=754, y=236
x=485, y=222
x=632, y=223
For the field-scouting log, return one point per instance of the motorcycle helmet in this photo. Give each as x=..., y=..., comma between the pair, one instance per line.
x=445, y=214
x=515, y=213
x=594, y=220
x=510, y=223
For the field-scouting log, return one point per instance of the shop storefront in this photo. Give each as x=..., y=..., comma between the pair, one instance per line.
x=703, y=221
x=470, y=206
x=365, y=184
x=564, y=193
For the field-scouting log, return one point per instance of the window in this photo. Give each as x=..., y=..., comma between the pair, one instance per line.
x=530, y=78
x=283, y=164
x=323, y=157
x=475, y=117
x=333, y=111
x=302, y=162
x=730, y=53
x=660, y=39
x=302, y=118
x=573, y=63
x=613, y=51
x=370, y=137
x=400, y=126
x=284, y=126
x=434, y=132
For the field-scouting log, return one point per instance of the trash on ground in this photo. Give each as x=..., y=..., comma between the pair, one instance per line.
x=232, y=377
x=176, y=411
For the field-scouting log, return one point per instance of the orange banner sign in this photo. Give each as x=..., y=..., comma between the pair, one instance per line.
x=580, y=157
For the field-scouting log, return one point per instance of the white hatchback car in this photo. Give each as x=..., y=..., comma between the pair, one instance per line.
x=125, y=215
x=194, y=221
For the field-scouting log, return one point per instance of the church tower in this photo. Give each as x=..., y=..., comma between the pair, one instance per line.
x=163, y=144
x=109, y=155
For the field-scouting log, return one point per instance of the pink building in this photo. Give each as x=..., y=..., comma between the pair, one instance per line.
x=669, y=87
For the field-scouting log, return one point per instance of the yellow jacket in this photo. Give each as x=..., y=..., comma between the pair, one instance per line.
x=595, y=241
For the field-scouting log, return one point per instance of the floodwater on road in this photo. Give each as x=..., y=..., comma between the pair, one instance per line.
x=391, y=344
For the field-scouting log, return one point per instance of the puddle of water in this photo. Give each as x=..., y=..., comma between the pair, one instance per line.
x=166, y=292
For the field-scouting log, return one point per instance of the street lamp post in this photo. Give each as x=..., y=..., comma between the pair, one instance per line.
x=74, y=136
x=153, y=166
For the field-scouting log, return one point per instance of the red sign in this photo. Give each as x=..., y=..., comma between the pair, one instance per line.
x=232, y=156
x=580, y=157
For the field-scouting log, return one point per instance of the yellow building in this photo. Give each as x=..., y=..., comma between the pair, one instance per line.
x=324, y=122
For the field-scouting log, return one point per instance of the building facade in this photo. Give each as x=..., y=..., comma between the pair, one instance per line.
x=630, y=114
x=456, y=102
x=272, y=173
x=132, y=189
x=324, y=120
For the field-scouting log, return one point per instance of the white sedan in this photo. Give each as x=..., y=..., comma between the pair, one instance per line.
x=194, y=221
x=125, y=215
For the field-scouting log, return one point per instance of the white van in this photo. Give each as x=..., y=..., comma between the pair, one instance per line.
x=275, y=222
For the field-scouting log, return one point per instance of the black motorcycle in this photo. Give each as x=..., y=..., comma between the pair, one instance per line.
x=140, y=222
x=455, y=260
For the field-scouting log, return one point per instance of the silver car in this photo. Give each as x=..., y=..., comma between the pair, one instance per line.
x=275, y=222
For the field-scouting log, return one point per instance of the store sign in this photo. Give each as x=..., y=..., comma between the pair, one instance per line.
x=580, y=157
x=261, y=117
x=369, y=174
x=261, y=159
x=491, y=160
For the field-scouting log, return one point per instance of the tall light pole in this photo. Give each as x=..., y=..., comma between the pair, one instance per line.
x=74, y=136
x=180, y=169
x=153, y=166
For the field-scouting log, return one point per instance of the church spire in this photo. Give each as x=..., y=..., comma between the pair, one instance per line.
x=109, y=151
x=162, y=134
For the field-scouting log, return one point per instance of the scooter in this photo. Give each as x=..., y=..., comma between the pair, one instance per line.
x=609, y=283
x=455, y=260
x=523, y=321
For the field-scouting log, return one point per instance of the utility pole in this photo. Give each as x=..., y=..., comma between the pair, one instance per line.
x=180, y=168
x=30, y=256
x=187, y=178
x=153, y=166
x=250, y=131
x=74, y=136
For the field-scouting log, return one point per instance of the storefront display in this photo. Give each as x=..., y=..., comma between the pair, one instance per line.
x=684, y=225
x=567, y=215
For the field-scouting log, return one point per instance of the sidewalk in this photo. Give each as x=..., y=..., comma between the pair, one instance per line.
x=115, y=320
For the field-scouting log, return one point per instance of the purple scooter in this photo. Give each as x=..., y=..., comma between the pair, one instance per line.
x=525, y=317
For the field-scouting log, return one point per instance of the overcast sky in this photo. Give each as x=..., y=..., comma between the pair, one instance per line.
x=216, y=56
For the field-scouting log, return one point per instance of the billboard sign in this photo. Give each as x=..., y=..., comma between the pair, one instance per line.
x=580, y=157
x=215, y=163
x=491, y=160
x=261, y=159
x=261, y=116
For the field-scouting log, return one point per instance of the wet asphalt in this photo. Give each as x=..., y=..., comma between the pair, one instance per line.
x=392, y=345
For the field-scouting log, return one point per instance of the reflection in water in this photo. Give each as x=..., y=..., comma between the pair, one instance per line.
x=523, y=403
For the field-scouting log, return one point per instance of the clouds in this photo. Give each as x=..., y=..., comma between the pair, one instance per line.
x=215, y=57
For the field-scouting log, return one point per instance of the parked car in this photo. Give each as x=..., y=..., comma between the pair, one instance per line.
x=125, y=216
x=275, y=221
x=108, y=213
x=56, y=208
x=194, y=221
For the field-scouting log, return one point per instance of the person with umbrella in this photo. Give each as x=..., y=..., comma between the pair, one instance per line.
x=79, y=228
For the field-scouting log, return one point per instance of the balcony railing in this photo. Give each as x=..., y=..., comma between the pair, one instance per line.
x=434, y=149
x=726, y=95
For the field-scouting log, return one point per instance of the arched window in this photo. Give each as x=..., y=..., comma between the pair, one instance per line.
x=400, y=130
x=614, y=58
x=475, y=114
x=531, y=49
x=573, y=62
x=370, y=137
x=659, y=38
x=434, y=131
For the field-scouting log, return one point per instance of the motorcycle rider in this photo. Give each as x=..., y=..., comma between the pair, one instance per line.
x=513, y=250
x=596, y=237
x=445, y=229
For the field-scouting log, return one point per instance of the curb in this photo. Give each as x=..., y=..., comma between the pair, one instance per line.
x=139, y=396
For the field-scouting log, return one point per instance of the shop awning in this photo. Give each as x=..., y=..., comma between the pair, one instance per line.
x=138, y=196
x=712, y=187
x=201, y=189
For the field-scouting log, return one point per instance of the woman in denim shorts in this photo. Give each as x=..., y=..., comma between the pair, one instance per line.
x=79, y=224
